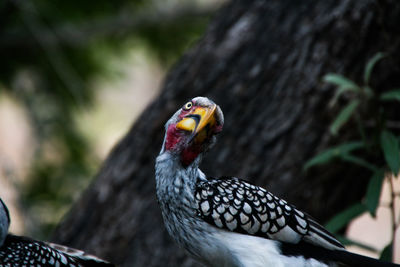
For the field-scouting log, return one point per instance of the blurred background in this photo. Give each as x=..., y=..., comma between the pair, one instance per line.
x=73, y=78
x=72, y=82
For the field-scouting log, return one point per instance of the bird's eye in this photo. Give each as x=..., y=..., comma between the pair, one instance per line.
x=188, y=105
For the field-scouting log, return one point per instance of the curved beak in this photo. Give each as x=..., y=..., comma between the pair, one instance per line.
x=198, y=119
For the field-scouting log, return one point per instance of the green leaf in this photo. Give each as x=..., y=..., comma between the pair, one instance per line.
x=391, y=95
x=332, y=153
x=344, y=85
x=347, y=241
x=391, y=151
x=359, y=161
x=344, y=116
x=374, y=192
x=341, y=81
x=386, y=254
x=371, y=64
x=344, y=217
x=338, y=93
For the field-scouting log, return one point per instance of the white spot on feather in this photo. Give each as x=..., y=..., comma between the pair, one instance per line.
x=301, y=230
x=287, y=234
x=263, y=217
x=265, y=227
x=231, y=225
x=243, y=218
x=205, y=207
x=281, y=221
x=301, y=221
x=218, y=223
x=256, y=226
x=247, y=208
x=247, y=226
x=279, y=210
x=232, y=210
x=272, y=215
x=228, y=217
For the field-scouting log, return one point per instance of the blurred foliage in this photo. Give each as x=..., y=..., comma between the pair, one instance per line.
x=50, y=51
x=379, y=140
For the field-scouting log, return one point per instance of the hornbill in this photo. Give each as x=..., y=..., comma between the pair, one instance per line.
x=24, y=251
x=229, y=221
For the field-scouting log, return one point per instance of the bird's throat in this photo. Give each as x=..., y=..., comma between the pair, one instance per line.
x=189, y=154
x=188, y=148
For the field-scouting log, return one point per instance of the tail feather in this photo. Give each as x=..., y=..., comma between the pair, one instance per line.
x=341, y=257
x=355, y=260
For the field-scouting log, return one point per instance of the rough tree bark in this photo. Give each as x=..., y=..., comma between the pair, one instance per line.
x=262, y=62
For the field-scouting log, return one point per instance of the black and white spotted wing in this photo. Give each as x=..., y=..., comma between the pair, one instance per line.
x=23, y=251
x=238, y=206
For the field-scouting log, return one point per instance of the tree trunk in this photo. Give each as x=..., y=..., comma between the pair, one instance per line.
x=262, y=62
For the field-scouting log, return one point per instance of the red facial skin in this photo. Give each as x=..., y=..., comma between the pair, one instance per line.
x=176, y=140
x=174, y=137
